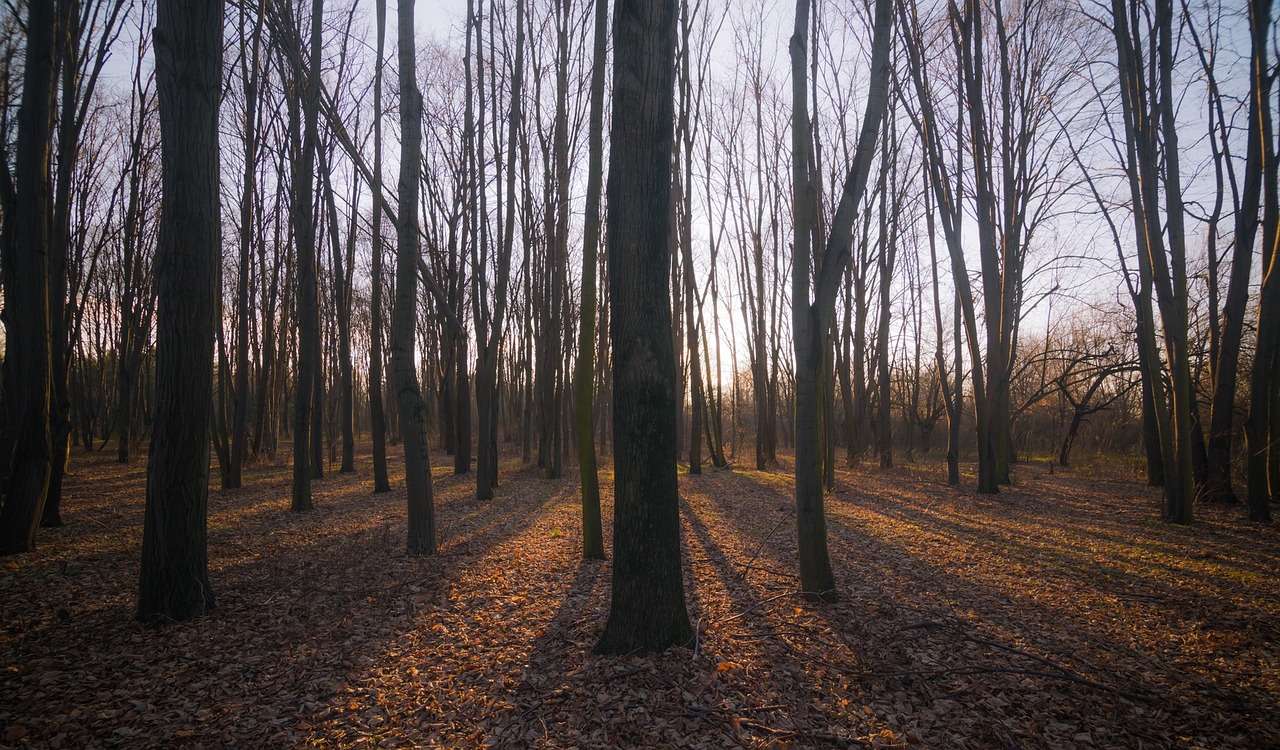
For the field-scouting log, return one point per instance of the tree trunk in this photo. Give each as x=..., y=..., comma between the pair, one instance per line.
x=240, y=415
x=812, y=315
x=1260, y=433
x=69, y=126
x=647, y=611
x=27, y=294
x=584, y=377
x=341, y=293
x=305, y=426
x=174, y=581
x=410, y=405
x=377, y=414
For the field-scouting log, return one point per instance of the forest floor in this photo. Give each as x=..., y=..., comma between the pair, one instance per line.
x=1058, y=614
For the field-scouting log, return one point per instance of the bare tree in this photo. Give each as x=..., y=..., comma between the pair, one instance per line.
x=174, y=580
x=812, y=315
x=1262, y=427
x=26, y=267
x=584, y=376
x=377, y=414
x=647, y=610
x=1146, y=89
x=412, y=409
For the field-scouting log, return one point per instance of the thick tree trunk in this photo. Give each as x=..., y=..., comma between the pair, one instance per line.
x=1150, y=375
x=174, y=581
x=1225, y=369
x=462, y=408
x=1273, y=449
x=647, y=611
x=412, y=409
x=27, y=352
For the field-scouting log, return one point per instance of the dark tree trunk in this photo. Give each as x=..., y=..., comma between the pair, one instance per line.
x=1150, y=422
x=305, y=426
x=1260, y=435
x=812, y=313
x=27, y=351
x=341, y=293
x=377, y=414
x=59, y=250
x=174, y=581
x=1225, y=369
x=412, y=409
x=584, y=378
x=248, y=194
x=647, y=611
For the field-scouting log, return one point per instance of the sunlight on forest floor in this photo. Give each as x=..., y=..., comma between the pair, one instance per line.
x=1060, y=613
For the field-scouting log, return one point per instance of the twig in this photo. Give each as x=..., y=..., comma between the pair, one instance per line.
x=694, y=708
x=765, y=541
x=771, y=571
x=805, y=734
x=123, y=544
x=760, y=604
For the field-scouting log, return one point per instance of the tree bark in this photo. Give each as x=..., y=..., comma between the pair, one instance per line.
x=1260, y=435
x=647, y=611
x=812, y=315
x=377, y=413
x=240, y=416
x=584, y=377
x=174, y=581
x=27, y=351
x=410, y=405
x=341, y=293
x=304, y=238
x=1226, y=367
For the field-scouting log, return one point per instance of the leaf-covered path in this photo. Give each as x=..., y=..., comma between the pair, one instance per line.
x=1058, y=614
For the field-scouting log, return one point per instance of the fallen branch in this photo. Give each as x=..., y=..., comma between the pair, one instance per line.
x=763, y=542
x=806, y=734
x=760, y=604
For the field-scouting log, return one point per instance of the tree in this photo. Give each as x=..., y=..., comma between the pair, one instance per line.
x=377, y=415
x=1151, y=142
x=87, y=34
x=490, y=323
x=250, y=74
x=584, y=377
x=409, y=403
x=647, y=611
x=26, y=268
x=1260, y=426
x=811, y=315
x=305, y=427
x=174, y=580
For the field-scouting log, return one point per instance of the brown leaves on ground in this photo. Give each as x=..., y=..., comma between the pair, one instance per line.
x=1057, y=614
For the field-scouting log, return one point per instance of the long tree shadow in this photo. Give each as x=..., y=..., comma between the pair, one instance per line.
x=893, y=588
x=306, y=603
